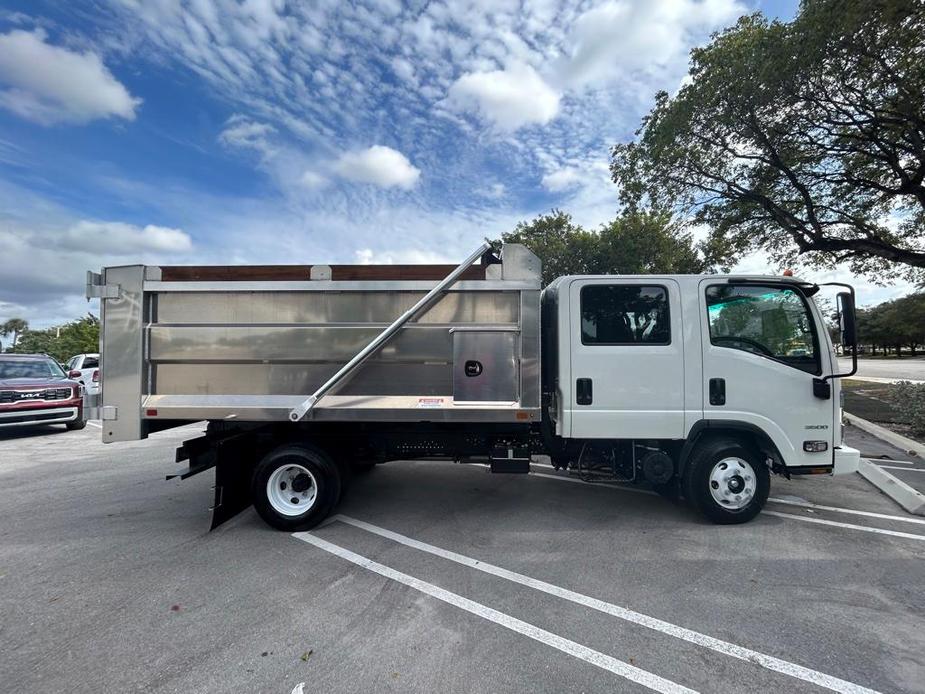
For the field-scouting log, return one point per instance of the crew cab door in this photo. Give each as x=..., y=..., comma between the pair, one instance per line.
x=626, y=359
x=761, y=352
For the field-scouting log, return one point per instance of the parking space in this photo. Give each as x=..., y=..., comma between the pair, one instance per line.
x=440, y=577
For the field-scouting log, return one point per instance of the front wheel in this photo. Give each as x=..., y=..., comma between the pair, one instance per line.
x=295, y=487
x=726, y=481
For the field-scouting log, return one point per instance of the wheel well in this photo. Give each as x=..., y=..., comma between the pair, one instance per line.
x=745, y=433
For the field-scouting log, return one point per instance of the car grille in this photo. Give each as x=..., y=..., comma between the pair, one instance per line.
x=11, y=396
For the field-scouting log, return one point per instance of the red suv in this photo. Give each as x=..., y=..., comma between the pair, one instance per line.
x=35, y=390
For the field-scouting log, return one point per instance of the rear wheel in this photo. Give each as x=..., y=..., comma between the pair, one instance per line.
x=295, y=487
x=727, y=481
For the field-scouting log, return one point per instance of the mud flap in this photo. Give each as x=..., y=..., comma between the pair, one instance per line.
x=233, y=459
x=232, y=488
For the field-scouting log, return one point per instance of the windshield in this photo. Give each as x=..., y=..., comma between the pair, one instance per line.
x=45, y=368
x=770, y=321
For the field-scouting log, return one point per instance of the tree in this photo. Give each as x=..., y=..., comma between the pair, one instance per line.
x=897, y=324
x=64, y=341
x=14, y=327
x=635, y=242
x=905, y=319
x=805, y=138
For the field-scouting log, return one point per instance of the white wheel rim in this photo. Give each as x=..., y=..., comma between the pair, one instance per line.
x=733, y=483
x=291, y=490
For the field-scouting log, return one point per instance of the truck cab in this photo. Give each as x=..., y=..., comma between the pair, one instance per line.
x=725, y=372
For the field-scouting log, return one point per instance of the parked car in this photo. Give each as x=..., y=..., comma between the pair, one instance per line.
x=34, y=389
x=85, y=369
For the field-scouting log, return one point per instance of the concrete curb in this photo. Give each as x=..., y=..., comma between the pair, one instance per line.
x=900, y=492
x=891, y=437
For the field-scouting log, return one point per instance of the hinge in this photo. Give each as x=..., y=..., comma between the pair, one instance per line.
x=97, y=290
x=107, y=413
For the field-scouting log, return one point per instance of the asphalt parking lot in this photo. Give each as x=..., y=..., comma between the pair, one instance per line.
x=907, y=368
x=443, y=578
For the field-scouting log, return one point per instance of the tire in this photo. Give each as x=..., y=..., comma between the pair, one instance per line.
x=77, y=424
x=291, y=477
x=726, y=481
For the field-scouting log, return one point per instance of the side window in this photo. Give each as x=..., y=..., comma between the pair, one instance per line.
x=773, y=322
x=91, y=363
x=624, y=314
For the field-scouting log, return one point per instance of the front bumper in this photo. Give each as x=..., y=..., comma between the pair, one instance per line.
x=846, y=460
x=35, y=415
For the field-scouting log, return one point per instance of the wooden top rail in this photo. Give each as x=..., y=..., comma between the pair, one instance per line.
x=280, y=273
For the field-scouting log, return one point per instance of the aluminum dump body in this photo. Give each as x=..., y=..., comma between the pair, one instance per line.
x=250, y=343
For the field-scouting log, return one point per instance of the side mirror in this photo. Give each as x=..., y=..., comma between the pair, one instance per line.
x=73, y=373
x=847, y=320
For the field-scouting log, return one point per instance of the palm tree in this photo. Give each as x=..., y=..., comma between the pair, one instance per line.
x=14, y=327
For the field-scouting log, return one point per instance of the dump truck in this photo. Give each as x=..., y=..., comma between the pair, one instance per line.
x=700, y=386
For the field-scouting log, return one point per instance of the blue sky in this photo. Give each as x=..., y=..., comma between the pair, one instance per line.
x=266, y=131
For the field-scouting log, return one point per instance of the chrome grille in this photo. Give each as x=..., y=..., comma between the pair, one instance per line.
x=11, y=396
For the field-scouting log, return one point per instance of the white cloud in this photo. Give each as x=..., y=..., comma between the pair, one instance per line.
x=560, y=180
x=313, y=179
x=241, y=131
x=618, y=37
x=379, y=165
x=508, y=99
x=46, y=251
x=408, y=256
x=48, y=84
x=495, y=191
x=403, y=69
x=119, y=238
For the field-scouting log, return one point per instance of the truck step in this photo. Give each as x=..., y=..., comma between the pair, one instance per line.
x=511, y=465
x=510, y=460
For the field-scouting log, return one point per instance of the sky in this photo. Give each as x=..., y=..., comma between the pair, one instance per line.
x=275, y=131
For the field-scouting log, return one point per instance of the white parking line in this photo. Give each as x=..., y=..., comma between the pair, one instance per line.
x=839, y=509
x=904, y=469
x=884, y=461
x=601, y=660
x=730, y=649
x=838, y=524
x=776, y=500
x=94, y=424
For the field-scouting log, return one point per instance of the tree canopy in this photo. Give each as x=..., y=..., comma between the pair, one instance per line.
x=894, y=324
x=62, y=342
x=636, y=242
x=804, y=138
x=14, y=327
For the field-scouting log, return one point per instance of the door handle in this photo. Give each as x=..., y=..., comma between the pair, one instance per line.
x=717, y=391
x=583, y=391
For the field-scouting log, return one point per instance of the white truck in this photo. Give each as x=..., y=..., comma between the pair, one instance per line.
x=700, y=386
